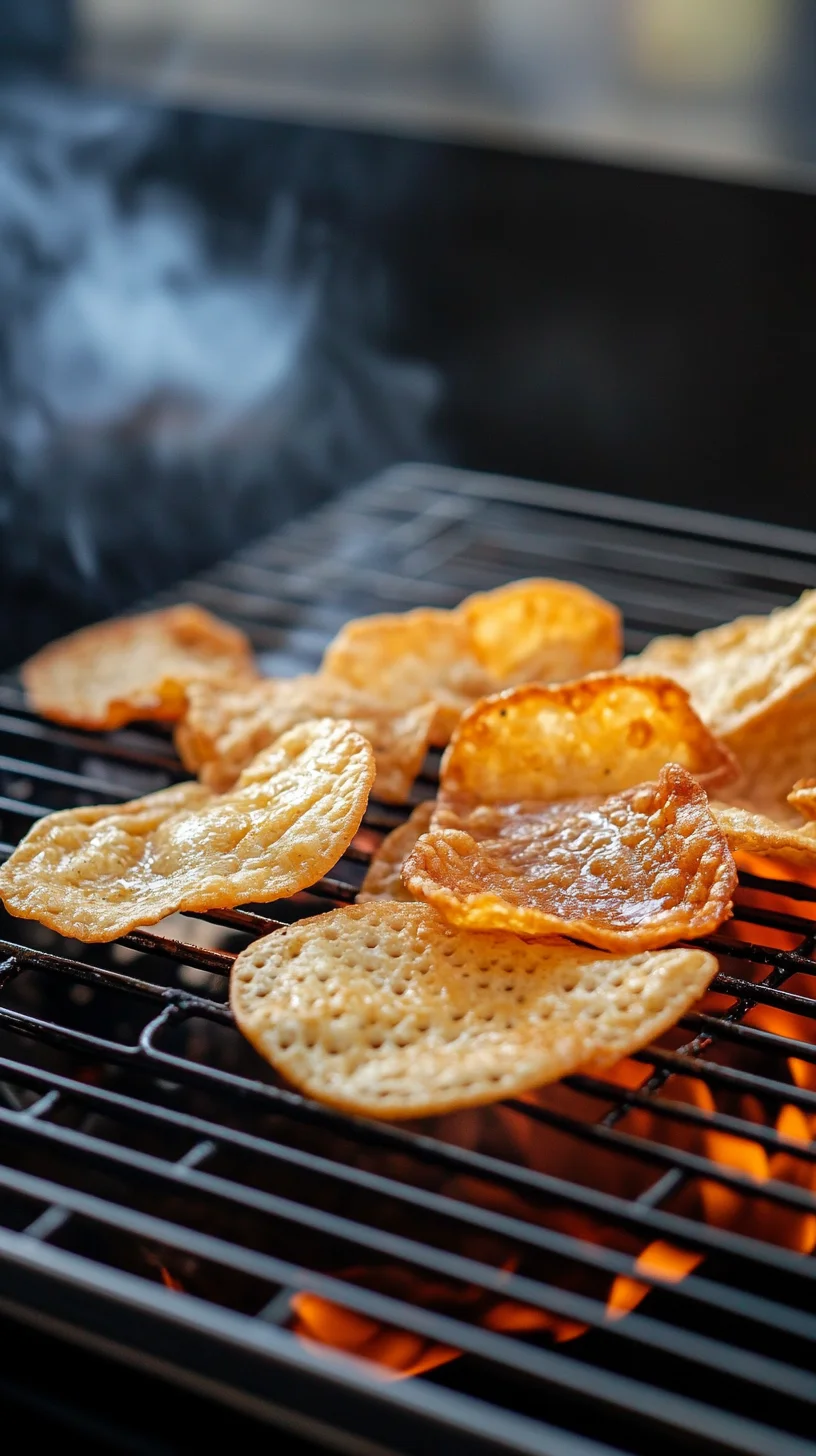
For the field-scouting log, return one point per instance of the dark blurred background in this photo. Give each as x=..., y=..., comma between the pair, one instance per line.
x=253, y=252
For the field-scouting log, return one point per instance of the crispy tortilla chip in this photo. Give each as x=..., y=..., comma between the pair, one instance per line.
x=628, y=872
x=95, y=873
x=738, y=673
x=224, y=726
x=383, y=879
x=529, y=629
x=384, y=1010
x=133, y=667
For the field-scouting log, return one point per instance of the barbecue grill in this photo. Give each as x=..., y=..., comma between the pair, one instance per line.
x=619, y=1264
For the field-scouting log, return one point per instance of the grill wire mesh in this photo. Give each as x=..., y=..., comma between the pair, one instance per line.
x=156, y=1177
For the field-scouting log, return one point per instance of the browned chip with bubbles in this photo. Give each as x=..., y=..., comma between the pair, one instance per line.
x=383, y=1009
x=225, y=725
x=628, y=872
x=383, y=879
x=570, y=810
x=530, y=629
x=133, y=667
x=95, y=873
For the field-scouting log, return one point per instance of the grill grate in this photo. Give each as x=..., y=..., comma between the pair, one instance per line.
x=164, y=1197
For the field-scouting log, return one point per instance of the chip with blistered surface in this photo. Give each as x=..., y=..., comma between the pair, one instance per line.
x=627, y=872
x=96, y=872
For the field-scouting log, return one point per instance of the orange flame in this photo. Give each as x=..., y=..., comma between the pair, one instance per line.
x=169, y=1280
x=396, y=1354
x=659, y=1260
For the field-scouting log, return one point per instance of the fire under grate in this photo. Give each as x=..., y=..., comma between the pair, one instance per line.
x=618, y=1264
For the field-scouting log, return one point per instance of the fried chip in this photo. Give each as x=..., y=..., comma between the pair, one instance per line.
x=749, y=832
x=224, y=726
x=738, y=673
x=133, y=667
x=628, y=872
x=593, y=737
x=774, y=753
x=541, y=630
x=803, y=797
x=754, y=683
x=384, y=1010
x=95, y=873
x=549, y=819
x=383, y=880
x=529, y=629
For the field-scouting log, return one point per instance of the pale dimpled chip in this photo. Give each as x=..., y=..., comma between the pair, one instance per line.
x=383, y=880
x=384, y=1010
x=225, y=725
x=627, y=872
x=802, y=797
x=739, y=672
x=133, y=667
x=527, y=629
x=748, y=832
x=760, y=815
x=95, y=873
x=773, y=754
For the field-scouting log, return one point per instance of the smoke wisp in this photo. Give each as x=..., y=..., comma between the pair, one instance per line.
x=162, y=396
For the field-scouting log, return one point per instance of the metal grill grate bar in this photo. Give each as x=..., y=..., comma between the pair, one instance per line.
x=744, y=1316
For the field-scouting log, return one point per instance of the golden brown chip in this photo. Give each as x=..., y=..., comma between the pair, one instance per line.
x=529, y=629
x=741, y=671
x=592, y=737
x=383, y=1009
x=542, y=630
x=225, y=725
x=383, y=879
x=95, y=873
x=133, y=667
x=628, y=872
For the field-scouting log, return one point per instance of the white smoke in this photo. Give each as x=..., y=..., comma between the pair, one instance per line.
x=144, y=375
